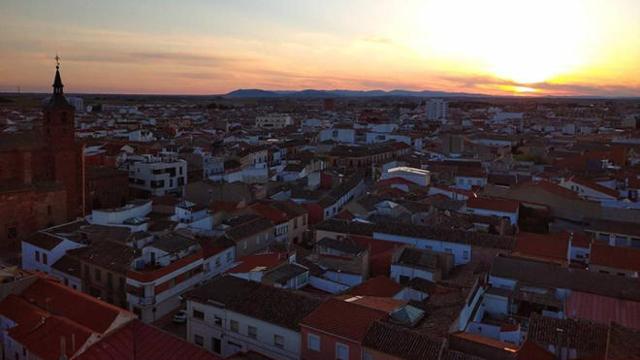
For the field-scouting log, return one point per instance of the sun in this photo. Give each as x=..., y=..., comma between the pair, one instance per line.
x=525, y=42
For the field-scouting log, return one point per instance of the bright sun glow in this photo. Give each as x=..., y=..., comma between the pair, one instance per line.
x=523, y=42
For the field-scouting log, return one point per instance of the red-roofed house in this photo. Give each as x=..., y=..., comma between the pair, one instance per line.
x=504, y=208
x=335, y=330
x=139, y=341
x=253, y=267
x=47, y=319
x=614, y=260
x=290, y=219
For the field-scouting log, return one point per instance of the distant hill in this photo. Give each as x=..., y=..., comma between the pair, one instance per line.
x=312, y=93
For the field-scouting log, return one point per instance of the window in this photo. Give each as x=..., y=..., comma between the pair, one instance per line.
x=217, y=262
x=44, y=258
x=217, y=320
x=234, y=326
x=313, y=342
x=197, y=314
x=252, y=332
x=215, y=345
x=342, y=351
x=198, y=340
x=229, y=257
x=278, y=341
x=37, y=256
x=465, y=254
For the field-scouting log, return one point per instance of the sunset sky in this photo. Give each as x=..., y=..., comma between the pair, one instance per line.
x=539, y=47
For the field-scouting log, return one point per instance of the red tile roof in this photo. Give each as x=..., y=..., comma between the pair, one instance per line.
x=615, y=257
x=251, y=262
x=394, y=181
x=377, y=286
x=275, y=215
x=603, y=309
x=343, y=319
x=138, y=341
x=533, y=351
x=45, y=339
x=79, y=307
x=549, y=247
x=479, y=339
x=21, y=311
x=553, y=189
x=385, y=304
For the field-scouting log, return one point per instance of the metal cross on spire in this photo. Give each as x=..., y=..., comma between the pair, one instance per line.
x=57, y=61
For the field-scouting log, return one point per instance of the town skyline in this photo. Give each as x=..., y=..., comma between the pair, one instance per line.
x=576, y=48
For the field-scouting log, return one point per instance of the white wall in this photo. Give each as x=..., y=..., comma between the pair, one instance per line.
x=104, y=217
x=461, y=252
x=410, y=272
x=53, y=255
x=263, y=343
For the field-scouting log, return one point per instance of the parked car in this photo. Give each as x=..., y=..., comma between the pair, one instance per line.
x=180, y=317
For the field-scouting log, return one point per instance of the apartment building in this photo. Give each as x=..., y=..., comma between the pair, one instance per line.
x=230, y=315
x=157, y=176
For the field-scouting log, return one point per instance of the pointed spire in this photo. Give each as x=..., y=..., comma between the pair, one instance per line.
x=57, y=82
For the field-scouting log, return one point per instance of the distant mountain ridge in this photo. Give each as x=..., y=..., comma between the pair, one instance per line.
x=312, y=93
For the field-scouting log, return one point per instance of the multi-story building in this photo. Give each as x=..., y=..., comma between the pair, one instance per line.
x=250, y=233
x=437, y=110
x=230, y=315
x=290, y=219
x=274, y=121
x=42, y=319
x=158, y=176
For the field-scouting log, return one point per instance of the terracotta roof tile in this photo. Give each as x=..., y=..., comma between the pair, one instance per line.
x=550, y=247
x=377, y=286
x=139, y=341
x=615, y=257
x=343, y=319
x=402, y=342
x=586, y=337
x=624, y=343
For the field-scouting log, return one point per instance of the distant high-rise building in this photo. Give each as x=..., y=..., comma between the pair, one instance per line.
x=437, y=110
